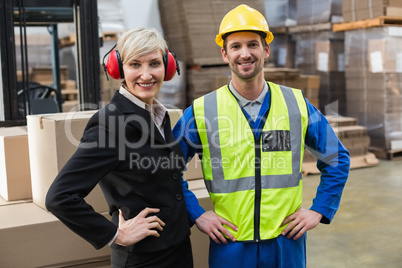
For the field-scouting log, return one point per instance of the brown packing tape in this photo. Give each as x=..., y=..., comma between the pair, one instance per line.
x=41, y=122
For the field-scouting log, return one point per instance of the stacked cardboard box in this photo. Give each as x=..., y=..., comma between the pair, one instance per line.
x=322, y=53
x=330, y=64
x=318, y=11
x=355, y=139
x=201, y=80
x=190, y=27
x=44, y=74
x=373, y=59
x=368, y=9
x=310, y=84
x=280, y=13
x=15, y=179
x=52, y=139
x=282, y=51
x=45, y=241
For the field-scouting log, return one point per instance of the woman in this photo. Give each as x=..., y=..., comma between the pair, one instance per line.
x=127, y=147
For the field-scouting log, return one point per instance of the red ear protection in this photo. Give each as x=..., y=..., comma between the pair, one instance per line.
x=114, y=65
x=171, y=65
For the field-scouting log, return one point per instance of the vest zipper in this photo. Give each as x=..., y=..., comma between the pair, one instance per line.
x=257, y=202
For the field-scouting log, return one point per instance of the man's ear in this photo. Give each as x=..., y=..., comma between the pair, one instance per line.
x=267, y=51
x=224, y=55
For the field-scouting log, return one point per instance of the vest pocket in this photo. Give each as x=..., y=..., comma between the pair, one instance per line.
x=275, y=140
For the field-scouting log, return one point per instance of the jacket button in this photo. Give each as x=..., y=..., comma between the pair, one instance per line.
x=179, y=197
x=175, y=176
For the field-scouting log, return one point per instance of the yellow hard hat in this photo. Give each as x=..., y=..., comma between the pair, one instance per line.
x=243, y=18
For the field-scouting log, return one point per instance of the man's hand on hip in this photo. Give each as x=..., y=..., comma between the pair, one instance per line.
x=300, y=222
x=212, y=224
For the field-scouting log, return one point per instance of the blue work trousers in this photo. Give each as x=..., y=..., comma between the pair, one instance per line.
x=280, y=252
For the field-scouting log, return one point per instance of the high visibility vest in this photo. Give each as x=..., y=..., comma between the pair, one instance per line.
x=255, y=183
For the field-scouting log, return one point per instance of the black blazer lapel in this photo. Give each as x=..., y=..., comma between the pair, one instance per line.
x=131, y=109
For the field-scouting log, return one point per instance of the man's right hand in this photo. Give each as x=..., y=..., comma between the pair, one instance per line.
x=212, y=224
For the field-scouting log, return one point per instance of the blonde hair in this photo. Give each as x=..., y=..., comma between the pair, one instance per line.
x=139, y=42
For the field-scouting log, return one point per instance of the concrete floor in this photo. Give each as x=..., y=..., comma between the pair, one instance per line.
x=367, y=230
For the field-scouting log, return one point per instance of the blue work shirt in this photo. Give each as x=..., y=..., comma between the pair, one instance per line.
x=321, y=140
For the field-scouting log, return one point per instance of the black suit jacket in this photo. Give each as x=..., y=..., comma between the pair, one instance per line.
x=122, y=150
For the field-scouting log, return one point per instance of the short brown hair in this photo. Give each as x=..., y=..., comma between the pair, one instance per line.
x=261, y=34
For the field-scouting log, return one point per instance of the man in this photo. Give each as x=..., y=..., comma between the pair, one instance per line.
x=251, y=136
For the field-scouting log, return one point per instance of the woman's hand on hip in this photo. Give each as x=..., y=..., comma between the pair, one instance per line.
x=139, y=227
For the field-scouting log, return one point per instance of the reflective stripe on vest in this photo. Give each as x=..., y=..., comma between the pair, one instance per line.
x=219, y=184
x=239, y=187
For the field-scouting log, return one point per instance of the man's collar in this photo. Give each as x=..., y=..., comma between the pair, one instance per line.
x=243, y=101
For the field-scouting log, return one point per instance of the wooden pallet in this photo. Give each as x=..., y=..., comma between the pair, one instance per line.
x=386, y=154
x=111, y=36
x=67, y=41
x=279, y=30
x=69, y=94
x=361, y=24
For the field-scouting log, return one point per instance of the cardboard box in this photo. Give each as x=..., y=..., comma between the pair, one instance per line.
x=310, y=84
x=329, y=56
x=280, y=12
x=200, y=80
x=314, y=12
x=368, y=9
x=373, y=81
x=15, y=178
x=42, y=238
x=341, y=121
x=282, y=51
x=53, y=138
x=190, y=27
x=385, y=56
x=44, y=74
x=70, y=106
x=199, y=240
